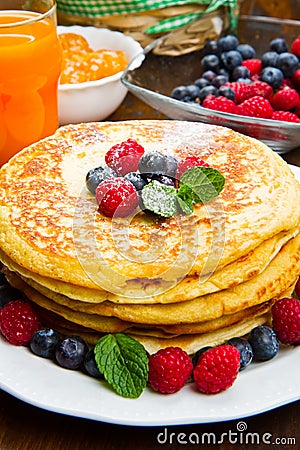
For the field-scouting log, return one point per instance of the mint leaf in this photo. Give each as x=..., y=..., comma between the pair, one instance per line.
x=185, y=199
x=160, y=199
x=124, y=363
x=200, y=185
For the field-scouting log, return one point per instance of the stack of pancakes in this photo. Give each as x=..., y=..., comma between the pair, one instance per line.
x=189, y=280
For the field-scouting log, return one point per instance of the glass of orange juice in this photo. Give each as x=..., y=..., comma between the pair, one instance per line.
x=30, y=66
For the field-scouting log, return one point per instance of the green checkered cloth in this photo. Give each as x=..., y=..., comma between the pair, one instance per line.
x=94, y=8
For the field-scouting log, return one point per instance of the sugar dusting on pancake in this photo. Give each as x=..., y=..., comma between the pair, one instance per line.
x=187, y=280
x=39, y=208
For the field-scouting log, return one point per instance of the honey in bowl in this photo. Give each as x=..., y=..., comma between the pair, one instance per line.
x=82, y=63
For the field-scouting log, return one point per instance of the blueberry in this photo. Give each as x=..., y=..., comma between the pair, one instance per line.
x=179, y=92
x=244, y=80
x=90, y=365
x=229, y=42
x=136, y=179
x=240, y=72
x=288, y=63
x=209, y=75
x=171, y=165
x=278, y=45
x=44, y=341
x=158, y=163
x=95, y=176
x=207, y=90
x=245, y=349
x=9, y=293
x=163, y=179
x=210, y=62
x=226, y=91
x=188, y=99
x=198, y=353
x=231, y=59
x=212, y=46
x=223, y=71
x=269, y=59
x=219, y=80
x=272, y=76
x=264, y=343
x=246, y=50
x=201, y=82
x=70, y=352
x=192, y=91
x=152, y=162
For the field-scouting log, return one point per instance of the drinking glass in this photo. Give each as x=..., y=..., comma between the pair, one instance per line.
x=30, y=66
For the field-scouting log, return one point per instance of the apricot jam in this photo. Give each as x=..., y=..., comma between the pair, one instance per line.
x=82, y=63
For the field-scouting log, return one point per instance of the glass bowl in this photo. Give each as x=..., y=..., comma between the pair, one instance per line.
x=155, y=79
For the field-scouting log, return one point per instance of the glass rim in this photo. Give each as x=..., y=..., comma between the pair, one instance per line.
x=40, y=16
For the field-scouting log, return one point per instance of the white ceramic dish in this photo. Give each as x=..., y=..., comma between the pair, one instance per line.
x=40, y=382
x=261, y=387
x=95, y=100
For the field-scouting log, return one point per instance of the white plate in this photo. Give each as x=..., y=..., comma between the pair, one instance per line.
x=40, y=382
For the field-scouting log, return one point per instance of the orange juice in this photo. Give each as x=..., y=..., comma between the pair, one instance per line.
x=30, y=65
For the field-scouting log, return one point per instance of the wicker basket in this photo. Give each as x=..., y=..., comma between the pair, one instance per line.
x=181, y=40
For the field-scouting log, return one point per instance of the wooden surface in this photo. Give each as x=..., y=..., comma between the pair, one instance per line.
x=24, y=427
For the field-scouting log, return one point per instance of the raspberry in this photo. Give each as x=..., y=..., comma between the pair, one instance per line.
x=286, y=83
x=255, y=77
x=241, y=91
x=296, y=47
x=286, y=320
x=285, y=116
x=262, y=89
x=217, y=369
x=296, y=79
x=187, y=163
x=116, y=197
x=285, y=99
x=219, y=104
x=253, y=65
x=169, y=369
x=18, y=322
x=124, y=157
x=297, y=110
x=255, y=107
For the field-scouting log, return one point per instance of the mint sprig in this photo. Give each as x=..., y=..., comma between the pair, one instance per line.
x=199, y=185
x=123, y=361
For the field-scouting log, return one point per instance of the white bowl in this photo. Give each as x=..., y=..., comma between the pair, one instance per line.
x=95, y=100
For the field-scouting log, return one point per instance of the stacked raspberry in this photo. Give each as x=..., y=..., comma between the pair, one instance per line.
x=235, y=81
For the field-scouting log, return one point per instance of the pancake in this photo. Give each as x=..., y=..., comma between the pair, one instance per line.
x=105, y=324
x=283, y=269
x=190, y=343
x=190, y=287
x=49, y=223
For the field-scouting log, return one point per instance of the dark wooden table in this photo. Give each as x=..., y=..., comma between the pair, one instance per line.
x=23, y=426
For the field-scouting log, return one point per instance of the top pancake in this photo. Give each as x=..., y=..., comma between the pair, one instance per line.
x=50, y=225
